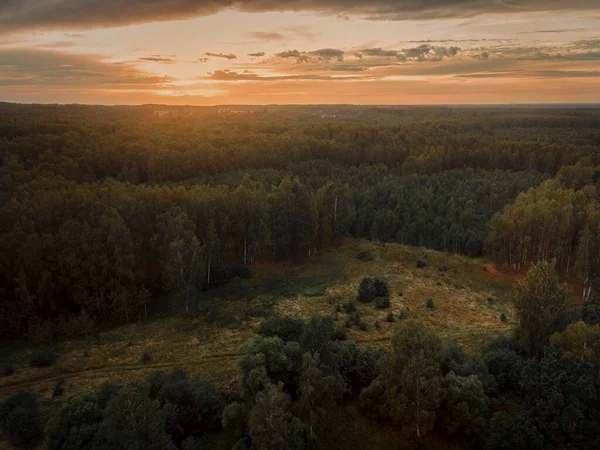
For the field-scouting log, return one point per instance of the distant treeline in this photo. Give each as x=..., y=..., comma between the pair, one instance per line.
x=104, y=210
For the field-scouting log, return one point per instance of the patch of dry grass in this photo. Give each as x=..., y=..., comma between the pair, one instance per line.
x=464, y=313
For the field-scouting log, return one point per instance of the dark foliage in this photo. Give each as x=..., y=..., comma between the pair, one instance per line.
x=286, y=328
x=21, y=421
x=44, y=357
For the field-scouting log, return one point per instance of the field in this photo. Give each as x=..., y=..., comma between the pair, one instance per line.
x=468, y=296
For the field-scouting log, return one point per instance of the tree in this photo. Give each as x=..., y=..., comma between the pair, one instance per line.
x=75, y=425
x=181, y=253
x=464, y=406
x=21, y=422
x=408, y=391
x=317, y=393
x=271, y=425
x=133, y=422
x=540, y=302
x=580, y=340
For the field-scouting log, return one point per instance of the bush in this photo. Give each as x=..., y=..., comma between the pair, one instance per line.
x=8, y=370
x=421, y=264
x=382, y=302
x=365, y=256
x=349, y=307
x=286, y=328
x=43, y=358
x=443, y=269
x=371, y=288
x=146, y=357
x=58, y=388
x=430, y=304
x=20, y=421
x=503, y=318
x=390, y=317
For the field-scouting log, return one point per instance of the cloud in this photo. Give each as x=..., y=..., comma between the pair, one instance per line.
x=324, y=54
x=58, y=44
x=201, y=60
x=24, y=14
x=228, y=75
x=159, y=59
x=257, y=54
x=378, y=52
x=267, y=36
x=28, y=67
x=229, y=56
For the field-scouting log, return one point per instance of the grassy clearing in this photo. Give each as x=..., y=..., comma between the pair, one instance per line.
x=468, y=306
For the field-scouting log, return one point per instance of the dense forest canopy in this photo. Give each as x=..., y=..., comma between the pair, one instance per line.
x=108, y=215
x=104, y=210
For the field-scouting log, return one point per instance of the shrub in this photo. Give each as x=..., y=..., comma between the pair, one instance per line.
x=8, y=370
x=58, y=388
x=377, y=325
x=339, y=335
x=146, y=357
x=43, y=358
x=443, y=269
x=349, y=307
x=390, y=317
x=382, y=302
x=20, y=421
x=365, y=256
x=430, y=304
x=421, y=264
x=503, y=318
x=286, y=328
x=371, y=288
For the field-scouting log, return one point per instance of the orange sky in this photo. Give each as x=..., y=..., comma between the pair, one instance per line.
x=259, y=52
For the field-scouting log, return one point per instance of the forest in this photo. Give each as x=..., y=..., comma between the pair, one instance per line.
x=113, y=216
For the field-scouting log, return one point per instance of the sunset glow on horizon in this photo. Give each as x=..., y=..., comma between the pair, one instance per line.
x=208, y=52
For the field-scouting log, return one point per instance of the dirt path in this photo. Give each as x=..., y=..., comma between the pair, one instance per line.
x=21, y=385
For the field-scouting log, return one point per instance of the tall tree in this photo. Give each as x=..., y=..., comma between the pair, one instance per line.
x=541, y=300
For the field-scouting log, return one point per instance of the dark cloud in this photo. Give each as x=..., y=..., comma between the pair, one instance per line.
x=267, y=36
x=324, y=54
x=159, y=59
x=27, y=67
x=378, y=52
x=228, y=75
x=21, y=14
x=229, y=56
x=426, y=52
x=257, y=54
x=328, y=54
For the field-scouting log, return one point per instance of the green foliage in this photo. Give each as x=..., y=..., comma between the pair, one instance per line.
x=75, y=425
x=133, y=421
x=408, y=391
x=371, y=288
x=506, y=432
x=317, y=393
x=349, y=307
x=540, y=302
x=286, y=328
x=464, y=407
x=590, y=311
x=21, y=422
x=421, y=264
x=192, y=407
x=430, y=304
x=382, y=302
x=235, y=416
x=503, y=318
x=390, y=317
x=365, y=257
x=271, y=423
x=44, y=357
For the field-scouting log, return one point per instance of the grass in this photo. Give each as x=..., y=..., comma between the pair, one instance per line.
x=209, y=344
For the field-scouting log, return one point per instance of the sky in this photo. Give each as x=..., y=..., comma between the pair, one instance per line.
x=212, y=52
